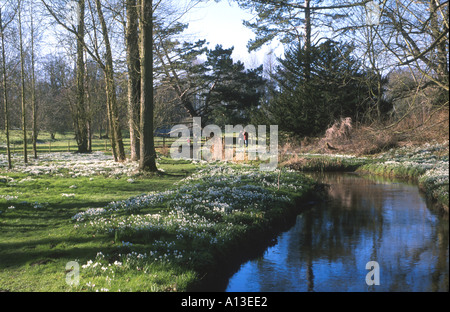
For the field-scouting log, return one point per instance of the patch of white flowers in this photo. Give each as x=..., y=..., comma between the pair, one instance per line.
x=209, y=208
x=9, y=197
x=430, y=161
x=72, y=164
x=88, y=213
x=214, y=191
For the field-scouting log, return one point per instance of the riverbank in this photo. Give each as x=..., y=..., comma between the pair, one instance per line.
x=427, y=165
x=203, y=226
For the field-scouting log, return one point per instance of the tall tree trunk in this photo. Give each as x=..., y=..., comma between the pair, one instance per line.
x=308, y=39
x=133, y=63
x=80, y=120
x=88, y=108
x=22, y=78
x=5, y=93
x=33, y=88
x=442, y=45
x=116, y=134
x=373, y=57
x=148, y=155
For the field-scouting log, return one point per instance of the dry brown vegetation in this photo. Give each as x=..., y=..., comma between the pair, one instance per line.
x=345, y=137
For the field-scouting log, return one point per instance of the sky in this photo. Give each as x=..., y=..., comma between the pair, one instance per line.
x=221, y=23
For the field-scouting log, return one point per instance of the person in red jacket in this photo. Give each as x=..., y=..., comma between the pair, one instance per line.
x=246, y=139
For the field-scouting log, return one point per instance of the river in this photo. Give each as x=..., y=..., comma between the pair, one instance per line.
x=365, y=220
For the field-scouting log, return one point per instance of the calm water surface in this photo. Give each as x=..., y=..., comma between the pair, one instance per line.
x=366, y=219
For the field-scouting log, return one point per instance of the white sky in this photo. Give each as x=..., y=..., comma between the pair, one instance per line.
x=221, y=23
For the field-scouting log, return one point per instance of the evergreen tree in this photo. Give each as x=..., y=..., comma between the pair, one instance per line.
x=307, y=100
x=230, y=90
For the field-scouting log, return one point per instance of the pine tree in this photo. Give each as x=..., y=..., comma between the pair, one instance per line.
x=308, y=100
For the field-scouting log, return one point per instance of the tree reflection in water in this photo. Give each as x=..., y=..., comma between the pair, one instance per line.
x=364, y=219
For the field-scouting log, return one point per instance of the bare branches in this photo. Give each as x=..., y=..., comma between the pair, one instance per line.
x=74, y=32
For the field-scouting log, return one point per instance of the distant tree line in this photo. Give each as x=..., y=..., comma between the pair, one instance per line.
x=123, y=67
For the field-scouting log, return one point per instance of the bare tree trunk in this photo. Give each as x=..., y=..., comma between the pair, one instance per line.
x=373, y=56
x=5, y=93
x=133, y=63
x=88, y=108
x=308, y=39
x=442, y=45
x=33, y=88
x=79, y=112
x=80, y=109
x=22, y=78
x=116, y=135
x=148, y=155
x=182, y=94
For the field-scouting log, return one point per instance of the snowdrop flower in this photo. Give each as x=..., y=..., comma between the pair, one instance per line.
x=88, y=264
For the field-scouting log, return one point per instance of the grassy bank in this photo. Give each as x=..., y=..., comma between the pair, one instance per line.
x=68, y=208
x=428, y=165
x=323, y=162
x=210, y=216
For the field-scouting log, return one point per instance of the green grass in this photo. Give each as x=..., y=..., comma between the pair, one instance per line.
x=320, y=163
x=202, y=227
x=39, y=237
x=427, y=165
x=37, y=242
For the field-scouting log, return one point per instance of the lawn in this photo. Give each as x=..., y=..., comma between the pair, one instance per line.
x=73, y=222
x=38, y=201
